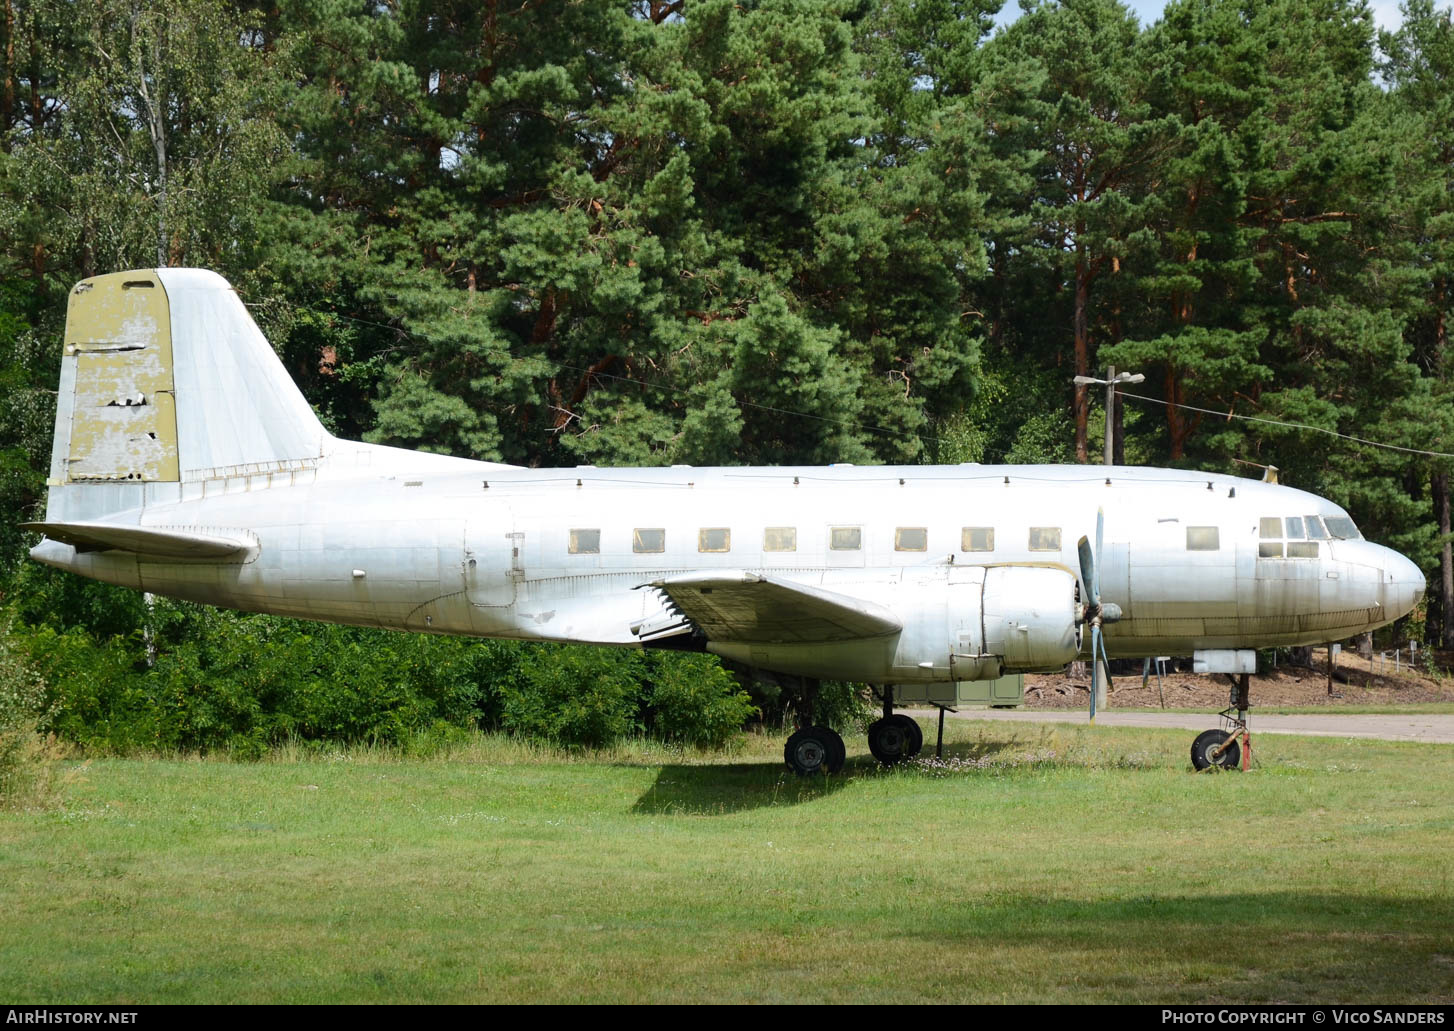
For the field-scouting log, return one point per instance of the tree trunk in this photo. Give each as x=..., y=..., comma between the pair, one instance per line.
x=7, y=96
x=1118, y=441
x=1446, y=560
x=1082, y=355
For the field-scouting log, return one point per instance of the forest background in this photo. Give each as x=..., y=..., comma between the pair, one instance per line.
x=558, y=232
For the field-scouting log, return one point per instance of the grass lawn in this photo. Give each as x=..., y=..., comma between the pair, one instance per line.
x=1040, y=863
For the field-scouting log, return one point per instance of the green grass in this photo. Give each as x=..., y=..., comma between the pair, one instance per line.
x=1046, y=863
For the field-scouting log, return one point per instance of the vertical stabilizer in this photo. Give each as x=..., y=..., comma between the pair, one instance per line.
x=116, y=418
x=236, y=404
x=166, y=379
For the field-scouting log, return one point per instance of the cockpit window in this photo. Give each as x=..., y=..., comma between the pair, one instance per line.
x=1315, y=528
x=1271, y=528
x=1295, y=528
x=1342, y=528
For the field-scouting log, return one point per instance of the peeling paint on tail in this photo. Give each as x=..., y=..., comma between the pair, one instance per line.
x=117, y=405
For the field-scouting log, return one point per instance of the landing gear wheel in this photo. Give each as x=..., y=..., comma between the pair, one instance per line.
x=913, y=731
x=1207, y=741
x=815, y=750
x=894, y=739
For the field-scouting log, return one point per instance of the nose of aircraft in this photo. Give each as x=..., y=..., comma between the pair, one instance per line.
x=1403, y=584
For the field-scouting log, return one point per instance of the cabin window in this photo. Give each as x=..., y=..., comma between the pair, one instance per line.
x=1342, y=528
x=1044, y=538
x=1271, y=528
x=646, y=542
x=1203, y=538
x=846, y=538
x=977, y=538
x=716, y=538
x=1269, y=549
x=911, y=538
x=780, y=538
x=1316, y=531
x=1302, y=549
x=585, y=542
x=1295, y=528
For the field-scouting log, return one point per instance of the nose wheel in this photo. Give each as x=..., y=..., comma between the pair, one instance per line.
x=1231, y=747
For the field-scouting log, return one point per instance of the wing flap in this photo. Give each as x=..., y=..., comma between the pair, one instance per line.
x=733, y=605
x=158, y=542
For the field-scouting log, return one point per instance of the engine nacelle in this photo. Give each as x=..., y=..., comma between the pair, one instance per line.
x=1013, y=619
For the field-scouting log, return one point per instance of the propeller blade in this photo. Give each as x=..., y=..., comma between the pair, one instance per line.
x=1095, y=668
x=1110, y=684
x=1088, y=573
x=1100, y=550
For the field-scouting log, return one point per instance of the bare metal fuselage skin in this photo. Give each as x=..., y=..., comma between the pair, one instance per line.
x=187, y=463
x=487, y=553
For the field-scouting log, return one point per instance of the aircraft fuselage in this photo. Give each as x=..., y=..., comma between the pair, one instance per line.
x=567, y=555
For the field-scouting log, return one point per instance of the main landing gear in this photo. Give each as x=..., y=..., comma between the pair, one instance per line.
x=815, y=749
x=1231, y=747
x=896, y=737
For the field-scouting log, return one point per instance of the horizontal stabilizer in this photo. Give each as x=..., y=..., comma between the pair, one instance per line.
x=156, y=542
x=733, y=605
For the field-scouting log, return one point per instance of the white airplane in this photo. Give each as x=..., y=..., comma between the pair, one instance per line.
x=186, y=463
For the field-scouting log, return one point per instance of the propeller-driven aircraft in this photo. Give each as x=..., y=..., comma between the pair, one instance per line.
x=187, y=463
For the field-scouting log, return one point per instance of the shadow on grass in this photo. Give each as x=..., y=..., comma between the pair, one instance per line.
x=705, y=790
x=1287, y=946
x=738, y=787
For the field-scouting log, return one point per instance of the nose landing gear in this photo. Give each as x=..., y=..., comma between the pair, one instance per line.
x=1231, y=747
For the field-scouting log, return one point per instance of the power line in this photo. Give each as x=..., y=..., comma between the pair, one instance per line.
x=1293, y=425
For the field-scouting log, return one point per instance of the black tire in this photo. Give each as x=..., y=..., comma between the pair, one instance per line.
x=891, y=741
x=1206, y=742
x=840, y=750
x=913, y=731
x=814, y=750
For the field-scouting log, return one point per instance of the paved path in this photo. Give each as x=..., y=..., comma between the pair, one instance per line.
x=1413, y=727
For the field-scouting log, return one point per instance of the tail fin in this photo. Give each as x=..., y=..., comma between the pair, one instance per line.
x=165, y=378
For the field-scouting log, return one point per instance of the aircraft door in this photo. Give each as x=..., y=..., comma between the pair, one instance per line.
x=1183, y=570
x=492, y=564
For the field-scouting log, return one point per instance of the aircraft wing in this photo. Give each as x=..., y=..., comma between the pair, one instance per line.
x=156, y=542
x=733, y=605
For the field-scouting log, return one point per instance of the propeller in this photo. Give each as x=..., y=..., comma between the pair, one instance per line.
x=1096, y=613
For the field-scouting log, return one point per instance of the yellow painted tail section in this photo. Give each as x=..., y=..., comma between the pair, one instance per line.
x=122, y=420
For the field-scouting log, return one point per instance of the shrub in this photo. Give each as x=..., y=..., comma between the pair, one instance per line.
x=24, y=770
x=694, y=701
x=574, y=695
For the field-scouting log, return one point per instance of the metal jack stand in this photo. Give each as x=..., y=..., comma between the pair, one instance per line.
x=939, y=745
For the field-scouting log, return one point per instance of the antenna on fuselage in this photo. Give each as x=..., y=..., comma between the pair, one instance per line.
x=1269, y=472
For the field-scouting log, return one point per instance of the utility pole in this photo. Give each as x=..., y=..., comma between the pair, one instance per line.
x=1112, y=378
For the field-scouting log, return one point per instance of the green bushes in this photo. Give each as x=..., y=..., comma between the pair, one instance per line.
x=223, y=681
x=23, y=773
